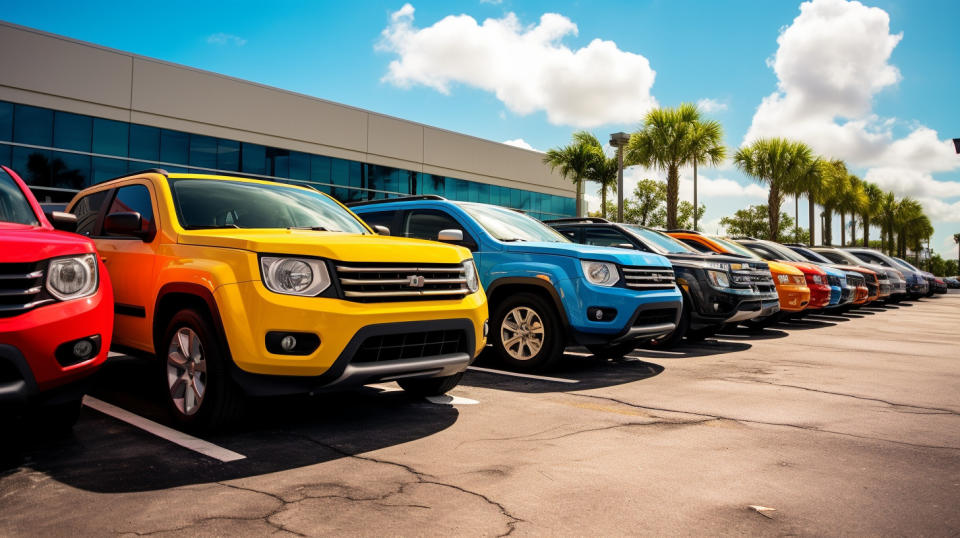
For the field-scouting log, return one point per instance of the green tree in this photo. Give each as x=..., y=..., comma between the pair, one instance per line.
x=602, y=170
x=574, y=162
x=753, y=221
x=671, y=138
x=833, y=175
x=706, y=144
x=776, y=162
x=888, y=210
x=808, y=181
x=871, y=209
x=852, y=200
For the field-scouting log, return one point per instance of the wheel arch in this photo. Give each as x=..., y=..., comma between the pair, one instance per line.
x=177, y=296
x=506, y=286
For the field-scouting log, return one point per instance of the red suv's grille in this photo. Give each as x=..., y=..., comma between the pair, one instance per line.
x=21, y=287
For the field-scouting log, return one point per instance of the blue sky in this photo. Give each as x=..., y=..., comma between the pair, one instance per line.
x=887, y=109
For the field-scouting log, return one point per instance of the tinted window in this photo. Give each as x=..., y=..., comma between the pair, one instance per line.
x=6, y=121
x=134, y=198
x=215, y=204
x=570, y=233
x=72, y=131
x=603, y=237
x=833, y=256
x=695, y=245
x=32, y=125
x=735, y=248
x=14, y=206
x=380, y=218
x=144, y=142
x=110, y=137
x=660, y=242
x=507, y=225
x=87, y=210
x=427, y=223
x=763, y=251
x=870, y=258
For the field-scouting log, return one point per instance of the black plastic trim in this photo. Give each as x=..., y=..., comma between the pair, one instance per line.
x=130, y=310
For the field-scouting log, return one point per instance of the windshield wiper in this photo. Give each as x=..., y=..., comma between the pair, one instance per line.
x=314, y=228
x=208, y=226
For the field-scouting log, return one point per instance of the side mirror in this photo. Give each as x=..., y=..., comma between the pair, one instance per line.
x=124, y=223
x=450, y=236
x=382, y=230
x=625, y=245
x=60, y=220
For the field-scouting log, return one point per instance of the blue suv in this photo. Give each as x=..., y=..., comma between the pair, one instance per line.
x=544, y=291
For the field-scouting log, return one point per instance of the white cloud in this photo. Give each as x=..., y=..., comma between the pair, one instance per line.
x=520, y=143
x=221, y=38
x=938, y=210
x=911, y=182
x=711, y=105
x=494, y=2
x=526, y=66
x=831, y=62
x=707, y=188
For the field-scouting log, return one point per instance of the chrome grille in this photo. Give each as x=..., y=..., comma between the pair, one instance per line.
x=369, y=282
x=21, y=288
x=855, y=280
x=833, y=281
x=649, y=278
x=756, y=277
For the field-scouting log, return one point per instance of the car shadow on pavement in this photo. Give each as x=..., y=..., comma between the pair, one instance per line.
x=804, y=324
x=106, y=455
x=751, y=333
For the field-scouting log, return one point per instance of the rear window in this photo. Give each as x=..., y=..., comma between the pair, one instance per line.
x=14, y=206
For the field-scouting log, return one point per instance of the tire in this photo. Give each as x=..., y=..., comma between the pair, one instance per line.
x=616, y=351
x=430, y=386
x=673, y=339
x=527, y=357
x=698, y=335
x=220, y=402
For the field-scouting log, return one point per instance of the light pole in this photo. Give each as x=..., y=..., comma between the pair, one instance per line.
x=618, y=140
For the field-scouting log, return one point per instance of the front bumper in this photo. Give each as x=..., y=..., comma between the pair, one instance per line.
x=793, y=297
x=754, y=309
x=249, y=311
x=30, y=341
x=641, y=327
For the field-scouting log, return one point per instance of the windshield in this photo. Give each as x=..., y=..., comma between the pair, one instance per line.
x=839, y=256
x=658, y=241
x=208, y=203
x=14, y=206
x=810, y=255
x=508, y=225
x=784, y=252
x=735, y=248
x=906, y=264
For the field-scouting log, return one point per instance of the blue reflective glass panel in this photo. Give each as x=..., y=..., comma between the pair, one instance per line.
x=299, y=165
x=174, y=147
x=110, y=137
x=104, y=168
x=72, y=131
x=144, y=143
x=203, y=151
x=228, y=155
x=253, y=158
x=33, y=165
x=32, y=125
x=70, y=170
x=6, y=122
x=320, y=168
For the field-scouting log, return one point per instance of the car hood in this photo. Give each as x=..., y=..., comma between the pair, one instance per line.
x=784, y=269
x=333, y=245
x=588, y=252
x=852, y=268
x=807, y=267
x=714, y=258
x=21, y=243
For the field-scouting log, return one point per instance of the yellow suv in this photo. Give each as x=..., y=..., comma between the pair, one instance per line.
x=255, y=287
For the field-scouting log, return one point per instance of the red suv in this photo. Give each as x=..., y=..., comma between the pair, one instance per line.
x=56, y=309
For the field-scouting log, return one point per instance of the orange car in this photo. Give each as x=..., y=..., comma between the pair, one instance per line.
x=790, y=281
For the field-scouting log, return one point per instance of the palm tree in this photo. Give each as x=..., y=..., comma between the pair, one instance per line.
x=707, y=147
x=872, y=209
x=888, y=208
x=911, y=224
x=832, y=190
x=851, y=202
x=776, y=162
x=809, y=181
x=602, y=170
x=574, y=162
x=671, y=138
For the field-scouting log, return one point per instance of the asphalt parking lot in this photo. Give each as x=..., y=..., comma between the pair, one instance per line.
x=830, y=425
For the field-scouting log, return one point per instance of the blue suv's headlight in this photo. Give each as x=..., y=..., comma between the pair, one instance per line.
x=600, y=273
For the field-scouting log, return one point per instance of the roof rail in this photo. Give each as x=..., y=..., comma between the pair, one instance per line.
x=577, y=219
x=160, y=171
x=681, y=230
x=400, y=199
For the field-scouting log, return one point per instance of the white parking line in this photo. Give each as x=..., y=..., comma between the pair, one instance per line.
x=187, y=441
x=447, y=399
x=516, y=374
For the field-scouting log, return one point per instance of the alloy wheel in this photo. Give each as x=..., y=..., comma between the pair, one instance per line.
x=186, y=371
x=521, y=333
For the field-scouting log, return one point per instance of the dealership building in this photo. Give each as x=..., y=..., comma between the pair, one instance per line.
x=73, y=114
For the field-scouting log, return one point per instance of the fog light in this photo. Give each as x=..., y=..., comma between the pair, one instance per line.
x=291, y=343
x=288, y=342
x=600, y=313
x=82, y=349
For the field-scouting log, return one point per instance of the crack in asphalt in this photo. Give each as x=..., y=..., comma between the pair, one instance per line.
x=940, y=410
x=421, y=478
x=750, y=421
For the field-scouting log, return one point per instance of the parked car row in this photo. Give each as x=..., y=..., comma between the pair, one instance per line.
x=241, y=287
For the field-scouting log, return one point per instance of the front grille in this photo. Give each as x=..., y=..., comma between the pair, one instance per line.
x=756, y=277
x=855, y=280
x=649, y=278
x=411, y=346
x=377, y=282
x=21, y=287
x=655, y=316
x=833, y=281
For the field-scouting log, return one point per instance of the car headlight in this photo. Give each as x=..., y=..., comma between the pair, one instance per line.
x=718, y=279
x=817, y=279
x=294, y=276
x=783, y=279
x=600, y=273
x=72, y=277
x=470, y=273
x=799, y=280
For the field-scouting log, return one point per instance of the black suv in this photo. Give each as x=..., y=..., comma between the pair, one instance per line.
x=716, y=288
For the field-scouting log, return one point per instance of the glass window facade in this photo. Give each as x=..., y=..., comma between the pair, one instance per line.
x=57, y=153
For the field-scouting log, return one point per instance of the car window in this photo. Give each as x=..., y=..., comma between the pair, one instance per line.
x=87, y=210
x=134, y=198
x=379, y=218
x=763, y=251
x=736, y=248
x=604, y=237
x=695, y=245
x=427, y=224
x=659, y=242
x=508, y=225
x=870, y=258
x=14, y=206
x=569, y=233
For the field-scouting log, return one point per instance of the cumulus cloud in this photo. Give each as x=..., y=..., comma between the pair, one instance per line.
x=520, y=143
x=831, y=62
x=709, y=105
x=707, y=187
x=526, y=66
x=221, y=38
